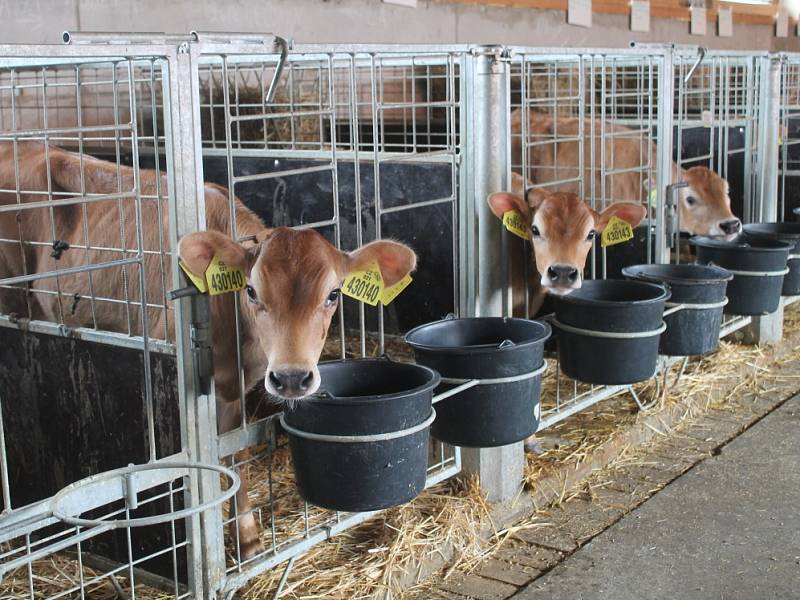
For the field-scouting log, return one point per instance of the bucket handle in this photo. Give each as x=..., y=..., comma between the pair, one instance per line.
x=616, y=335
x=760, y=273
x=674, y=307
x=465, y=384
x=353, y=439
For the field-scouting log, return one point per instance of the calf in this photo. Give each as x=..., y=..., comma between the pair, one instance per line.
x=563, y=229
x=704, y=206
x=293, y=277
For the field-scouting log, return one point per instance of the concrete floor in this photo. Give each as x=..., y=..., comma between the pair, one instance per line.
x=727, y=529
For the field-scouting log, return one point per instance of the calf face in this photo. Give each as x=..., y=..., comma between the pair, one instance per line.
x=705, y=206
x=293, y=290
x=563, y=228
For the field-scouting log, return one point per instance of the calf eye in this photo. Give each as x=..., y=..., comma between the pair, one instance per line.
x=251, y=294
x=333, y=297
x=691, y=200
x=535, y=231
x=591, y=236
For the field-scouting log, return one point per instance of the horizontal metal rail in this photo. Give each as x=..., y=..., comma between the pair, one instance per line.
x=86, y=334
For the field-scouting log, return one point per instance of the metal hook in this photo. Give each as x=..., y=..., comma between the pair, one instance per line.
x=701, y=54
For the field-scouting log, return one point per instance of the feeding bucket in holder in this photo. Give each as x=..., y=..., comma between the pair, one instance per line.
x=758, y=267
x=784, y=232
x=361, y=443
x=608, y=331
x=491, y=371
x=694, y=310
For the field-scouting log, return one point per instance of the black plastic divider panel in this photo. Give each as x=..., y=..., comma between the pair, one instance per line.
x=73, y=409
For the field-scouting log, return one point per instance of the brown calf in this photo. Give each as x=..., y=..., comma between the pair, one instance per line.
x=563, y=228
x=704, y=206
x=293, y=276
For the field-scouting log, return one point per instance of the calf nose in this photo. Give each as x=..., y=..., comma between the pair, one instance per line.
x=562, y=273
x=291, y=382
x=731, y=226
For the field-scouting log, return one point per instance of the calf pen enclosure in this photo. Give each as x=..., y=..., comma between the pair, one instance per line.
x=359, y=143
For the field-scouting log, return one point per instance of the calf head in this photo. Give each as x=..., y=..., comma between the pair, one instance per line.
x=293, y=290
x=563, y=228
x=705, y=206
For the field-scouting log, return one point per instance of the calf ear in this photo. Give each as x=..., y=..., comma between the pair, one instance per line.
x=502, y=202
x=197, y=249
x=396, y=260
x=627, y=211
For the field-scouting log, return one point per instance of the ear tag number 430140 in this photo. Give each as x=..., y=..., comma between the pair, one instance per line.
x=220, y=278
x=367, y=285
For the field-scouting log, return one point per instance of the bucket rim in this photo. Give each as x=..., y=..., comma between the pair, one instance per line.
x=662, y=297
x=722, y=274
x=323, y=396
x=546, y=333
x=762, y=229
x=740, y=244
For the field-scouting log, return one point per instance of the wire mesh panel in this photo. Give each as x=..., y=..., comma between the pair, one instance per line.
x=717, y=108
x=358, y=144
x=587, y=122
x=718, y=119
x=89, y=381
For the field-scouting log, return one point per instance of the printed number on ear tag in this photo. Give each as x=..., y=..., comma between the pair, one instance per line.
x=198, y=282
x=616, y=232
x=223, y=278
x=365, y=286
x=514, y=222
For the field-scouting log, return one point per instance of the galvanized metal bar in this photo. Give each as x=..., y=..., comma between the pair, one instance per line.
x=769, y=132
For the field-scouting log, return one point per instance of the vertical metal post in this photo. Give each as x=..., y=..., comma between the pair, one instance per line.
x=488, y=154
x=769, y=328
x=666, y=91
x=769, y=132
x=197, y=404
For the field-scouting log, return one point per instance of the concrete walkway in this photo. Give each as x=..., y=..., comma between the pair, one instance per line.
x=728, y=529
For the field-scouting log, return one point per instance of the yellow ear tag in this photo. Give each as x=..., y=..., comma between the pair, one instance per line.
x=198, y=282
x=514, y=223
x=393, y=291
x=654, y=198
x=366, y=285
x=223, y=278
x=616, y=232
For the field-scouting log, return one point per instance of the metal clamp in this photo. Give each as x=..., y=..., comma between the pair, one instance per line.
x=614, y=335
x=679, y=306
x=354, y=439
x=465, y=384
x=127, y=484
x=759, y=273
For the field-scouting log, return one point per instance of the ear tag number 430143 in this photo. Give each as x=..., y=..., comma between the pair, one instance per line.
x=616, y=232
x=514, y=223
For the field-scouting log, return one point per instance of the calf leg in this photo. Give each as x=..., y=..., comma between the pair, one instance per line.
x=243, y=529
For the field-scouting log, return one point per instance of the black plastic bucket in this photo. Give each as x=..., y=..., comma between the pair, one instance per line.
x=785, y=232
x=490, y=414
x=361, y=443
x=608, y=330
x=697, y=302
x=758, y=267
